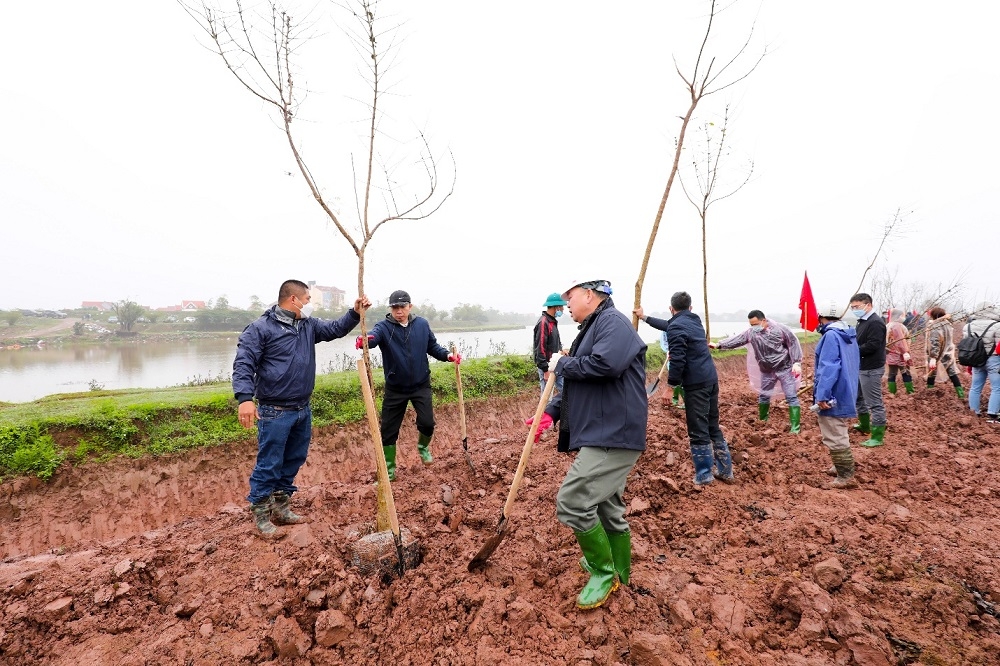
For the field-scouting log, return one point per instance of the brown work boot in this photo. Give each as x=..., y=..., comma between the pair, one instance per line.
x=843, y=464
x=281, y=509
x=262, y=518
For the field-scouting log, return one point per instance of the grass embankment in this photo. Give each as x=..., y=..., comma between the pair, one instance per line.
x=73, y=428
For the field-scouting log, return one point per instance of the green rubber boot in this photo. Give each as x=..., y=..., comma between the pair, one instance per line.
x=678, y=394
x=603, y=578
x=892, y=388
x=763, y=409
x=281, y=509
x=864, y=424
x=878, y=434
x=960, y=391
x=621, y=553
x=424, y=448
x=390, y=460
x=795, y=416
x=909, y=386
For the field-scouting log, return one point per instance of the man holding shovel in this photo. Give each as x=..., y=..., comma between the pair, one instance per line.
x=276, y=364
x=405, y=341
x=603, y=410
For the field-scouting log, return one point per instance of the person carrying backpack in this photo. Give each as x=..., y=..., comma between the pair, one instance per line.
x=986, y=328
x=941, y=349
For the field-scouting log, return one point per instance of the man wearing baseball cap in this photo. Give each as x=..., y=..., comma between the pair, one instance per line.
x=546, y=337
x=405, y=341
x=603, y=411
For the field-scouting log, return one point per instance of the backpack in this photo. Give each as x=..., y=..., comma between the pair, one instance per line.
x=971, y=350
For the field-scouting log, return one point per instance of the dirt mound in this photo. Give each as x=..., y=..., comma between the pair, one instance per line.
x=156, y=562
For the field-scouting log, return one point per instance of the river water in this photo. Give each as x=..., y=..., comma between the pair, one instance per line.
x=30, y=373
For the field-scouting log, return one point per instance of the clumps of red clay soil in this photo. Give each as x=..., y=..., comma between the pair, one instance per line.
x=156, y=562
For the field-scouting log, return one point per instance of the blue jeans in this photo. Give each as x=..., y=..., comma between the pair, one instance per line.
x=989, y=371
x=282, y=444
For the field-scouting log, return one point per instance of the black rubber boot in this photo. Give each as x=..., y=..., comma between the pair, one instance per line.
x=281, y=509
x=262, y=518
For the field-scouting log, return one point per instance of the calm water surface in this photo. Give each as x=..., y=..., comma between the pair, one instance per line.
x=31, y=373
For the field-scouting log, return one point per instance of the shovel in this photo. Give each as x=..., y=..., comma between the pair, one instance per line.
x=461, y=412
x=390, y=548
x=651, y=389
x=503, y=526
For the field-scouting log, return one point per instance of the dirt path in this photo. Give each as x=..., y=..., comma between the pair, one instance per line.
x=155, y=561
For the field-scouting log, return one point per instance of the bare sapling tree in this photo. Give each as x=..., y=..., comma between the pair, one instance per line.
x=262, y=51
x=707, y=77
x=706, y=169
x=893, y=227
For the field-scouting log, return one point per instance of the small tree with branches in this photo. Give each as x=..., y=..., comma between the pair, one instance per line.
x=705, y=79
x=262, y=51
x=706, y=173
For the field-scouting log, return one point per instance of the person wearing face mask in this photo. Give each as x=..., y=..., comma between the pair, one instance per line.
x=897, y=347
x=405, y=341
x=940, y=346
x=871, y=335
x=546, y=338
x=276, y=366
x=779, y=357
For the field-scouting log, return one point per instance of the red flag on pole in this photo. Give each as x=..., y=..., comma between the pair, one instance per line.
x=807, y=305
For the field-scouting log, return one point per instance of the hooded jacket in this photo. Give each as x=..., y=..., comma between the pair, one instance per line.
x=603, y=401
x=404, y=352
x=276, y=356
x=691, y=364
x=837, y=364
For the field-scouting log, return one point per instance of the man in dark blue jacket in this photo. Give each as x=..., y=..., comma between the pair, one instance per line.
x=276, y=364
x=692, y=367
x=405, y=341
x=603, y=412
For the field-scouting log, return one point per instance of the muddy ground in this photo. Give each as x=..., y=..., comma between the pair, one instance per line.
x=155, y=561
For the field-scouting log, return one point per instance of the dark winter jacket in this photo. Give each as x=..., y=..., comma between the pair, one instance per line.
x=404, y=352
x=836, y=373
x=603, y=402
x=547, y=340
x=276, y=356
x=871, y=341
x=691, y=364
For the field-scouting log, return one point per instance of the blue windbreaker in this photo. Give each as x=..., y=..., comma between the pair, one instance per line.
x=276, y=356
x=404, y=352
x=837, y=364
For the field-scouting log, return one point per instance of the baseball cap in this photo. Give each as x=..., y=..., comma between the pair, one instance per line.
x=399, y=297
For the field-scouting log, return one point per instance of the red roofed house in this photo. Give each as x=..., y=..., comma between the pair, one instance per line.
x=192, y=305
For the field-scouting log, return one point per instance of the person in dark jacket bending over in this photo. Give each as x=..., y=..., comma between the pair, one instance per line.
x=546, y=338
x=405, y=341
x=276, y=364
x=603, y=411
x=692, y=367
x=871, y=343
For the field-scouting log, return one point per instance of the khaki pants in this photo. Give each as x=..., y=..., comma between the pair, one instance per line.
x=834, y=431
x=593, y=489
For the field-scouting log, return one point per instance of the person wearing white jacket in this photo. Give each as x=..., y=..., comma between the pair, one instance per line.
x=980, y=325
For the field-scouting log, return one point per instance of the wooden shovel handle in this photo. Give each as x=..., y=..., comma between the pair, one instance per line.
x=458, y=384
x=526, y=451
x=666, y=362
x=384, y=486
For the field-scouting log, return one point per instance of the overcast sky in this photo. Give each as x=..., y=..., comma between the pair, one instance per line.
x=133, y=165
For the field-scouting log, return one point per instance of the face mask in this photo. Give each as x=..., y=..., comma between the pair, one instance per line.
x=306, y=310
x=757, y=328
x=858, y=313
x=558, y=313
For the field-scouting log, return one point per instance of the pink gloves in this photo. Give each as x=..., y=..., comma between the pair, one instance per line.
x=455, y=358
x=359, y=343
x=543, y=424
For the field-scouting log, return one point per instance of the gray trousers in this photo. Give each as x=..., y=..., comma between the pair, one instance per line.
x=593, y=489
x=834, y=431
x=870, y=395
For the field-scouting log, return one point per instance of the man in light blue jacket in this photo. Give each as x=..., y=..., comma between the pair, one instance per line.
x=835, y=391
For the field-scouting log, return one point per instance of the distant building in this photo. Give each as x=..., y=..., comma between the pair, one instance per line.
x=192, y=305
x=326, y=298
x=101, y=306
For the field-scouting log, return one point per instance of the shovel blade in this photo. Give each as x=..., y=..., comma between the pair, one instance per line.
x=651, y=389
x=479, y=561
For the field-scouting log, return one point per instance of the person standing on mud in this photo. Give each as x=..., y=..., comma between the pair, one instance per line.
x=692, y=367
x=276, y=365
x=986, y=324
x=779, y=357
x=940, y=344
x=871, y=336
x=546, y=338
x=835, y=391
x=897, y=354
x=405, y=341
x=603, y=410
